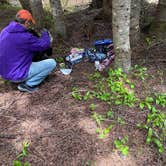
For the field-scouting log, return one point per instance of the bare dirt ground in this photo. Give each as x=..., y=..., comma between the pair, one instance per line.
x=60, y=130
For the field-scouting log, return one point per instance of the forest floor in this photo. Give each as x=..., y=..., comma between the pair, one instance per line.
x=62, y=130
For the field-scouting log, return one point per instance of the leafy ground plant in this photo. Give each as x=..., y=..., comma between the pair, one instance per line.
x=120, y=145
x=156, y=128
x=104, y=132
x=139, y=72
x=22, y=155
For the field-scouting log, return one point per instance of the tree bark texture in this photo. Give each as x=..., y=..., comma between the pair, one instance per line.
x=121, y=30
x=25, y=4
x=135, y=22
x=38, y=12
x=59, y=23
x=96, y=3
x=159, y=24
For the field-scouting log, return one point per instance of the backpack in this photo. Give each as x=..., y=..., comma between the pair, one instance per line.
x=102, y=49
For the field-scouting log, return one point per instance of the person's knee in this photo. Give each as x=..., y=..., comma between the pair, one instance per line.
x=52, y=64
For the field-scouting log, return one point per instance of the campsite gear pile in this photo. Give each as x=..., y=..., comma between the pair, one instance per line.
x=101, y=54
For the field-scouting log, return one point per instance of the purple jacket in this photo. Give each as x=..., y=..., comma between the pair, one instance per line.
x=16, y=50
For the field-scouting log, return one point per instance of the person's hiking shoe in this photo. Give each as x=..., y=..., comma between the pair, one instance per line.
x=26, y=88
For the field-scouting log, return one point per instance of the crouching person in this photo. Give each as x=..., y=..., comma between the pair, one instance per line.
x=17, y=47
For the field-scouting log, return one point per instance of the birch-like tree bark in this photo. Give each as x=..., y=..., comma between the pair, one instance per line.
x=59, y=23
x=121, y=30
x=38, y=12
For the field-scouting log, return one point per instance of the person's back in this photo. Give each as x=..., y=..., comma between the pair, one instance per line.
x=15, y=57
x=17, y=46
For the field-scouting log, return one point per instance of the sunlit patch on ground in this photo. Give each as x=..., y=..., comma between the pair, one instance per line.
x=115, y=159
x=88, y=125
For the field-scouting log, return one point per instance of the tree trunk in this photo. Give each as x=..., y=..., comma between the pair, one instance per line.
x=134, y=22
x=159, y=24
x=4, y=2
x=25, y=4
x=107, y=5
x=59, y=23
x=121, y=29
x=96, y=3
x=38, y=12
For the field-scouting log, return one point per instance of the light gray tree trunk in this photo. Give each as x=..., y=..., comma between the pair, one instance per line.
x=59, y=23
x=38, y=12
x=121, y=30
x=135, y=22
x=25, y=4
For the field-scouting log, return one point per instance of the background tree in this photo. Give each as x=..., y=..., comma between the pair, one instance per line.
x=121, y=29
x=59, y=23
x=38, y=12
x=159, y=24
x=25, y=4
x=96, y=3
x=135, y=22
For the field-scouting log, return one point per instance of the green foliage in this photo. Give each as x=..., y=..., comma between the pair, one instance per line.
x=22, y=155
x=156, y=128
x=24, y=150
x=117, y=90
x=76, y=94
x=93, y=106
x=8, y=7
x=148, y=41
x=95, y=76
x=120, y=145
x=98, y=118
x=87, y=96
x=110, y=114
x=59, y=59
x=48, y=20
x=148, y=103
x=161, y=99
x=139, y=72
x=103, y=133
x=121, y=121
x=18, y=163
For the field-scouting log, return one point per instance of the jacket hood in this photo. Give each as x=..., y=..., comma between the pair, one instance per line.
x=15, y=27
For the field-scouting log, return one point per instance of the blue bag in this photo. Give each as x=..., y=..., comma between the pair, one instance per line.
x=103, y=49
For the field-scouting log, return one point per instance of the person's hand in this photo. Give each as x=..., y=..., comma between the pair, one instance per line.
x=45, y=30
x=51, y=38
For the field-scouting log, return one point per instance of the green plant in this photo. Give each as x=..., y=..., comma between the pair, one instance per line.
x=148, y=102
x=156, y=128
x=110, y=114
x=103, y=133
x=87, y=96
x=149, y=41
x=76, y=94
x=120, y=145
x=93, y=106
x=19, y=163
x=24, y=150
x=22, y=155
x=121, y=121
x=161, y=99
x=140, y=72
x=59, y=59
x=98, y=118
x=95, y=76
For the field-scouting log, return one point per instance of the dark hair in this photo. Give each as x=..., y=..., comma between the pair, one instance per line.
x=20, y=20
